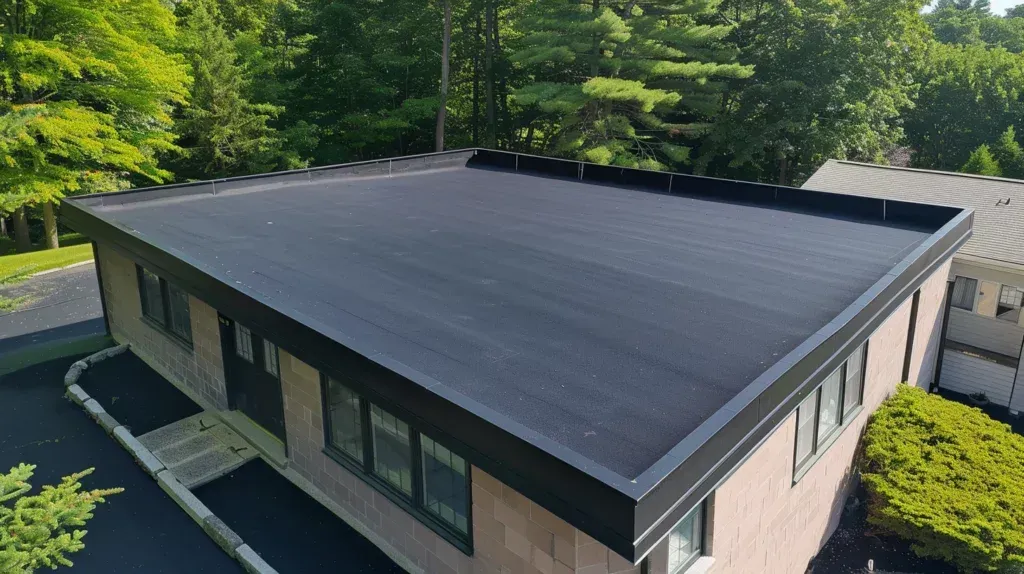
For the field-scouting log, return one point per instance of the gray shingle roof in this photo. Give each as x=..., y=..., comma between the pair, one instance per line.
x=998, y=202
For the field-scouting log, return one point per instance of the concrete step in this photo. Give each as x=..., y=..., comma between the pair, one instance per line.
x=198, y=449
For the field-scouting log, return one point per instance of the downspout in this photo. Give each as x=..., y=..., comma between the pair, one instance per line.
x=103, y=294
x=942, y=337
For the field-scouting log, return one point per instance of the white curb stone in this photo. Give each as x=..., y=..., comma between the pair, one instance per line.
x=93, y=408
x=149, y=462
x=252, y=562
x=77, y=394
x=185, y=499
x=222, y=534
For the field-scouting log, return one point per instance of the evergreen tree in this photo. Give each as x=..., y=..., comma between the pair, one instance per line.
x=624, y=82
x=85, y=90
x=1009, y=155
x=39, y=531
x=981, y=162
x=222, y=133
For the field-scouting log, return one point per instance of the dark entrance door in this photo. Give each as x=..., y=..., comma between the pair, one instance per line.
x=253, y=376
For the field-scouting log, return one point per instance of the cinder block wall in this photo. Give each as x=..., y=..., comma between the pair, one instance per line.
x=510, y=532
x=200, y=368
x=765, y=523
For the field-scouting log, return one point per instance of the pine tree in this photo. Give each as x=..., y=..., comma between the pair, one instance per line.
x=40, y=530
x=1009, y=154
x=222, y=133
x=624, y=82
x=982, y=163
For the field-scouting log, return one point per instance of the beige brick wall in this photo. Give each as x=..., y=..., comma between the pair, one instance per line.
x=765, y=523
x=511, y=534
x=201, y=368
x=929, y=330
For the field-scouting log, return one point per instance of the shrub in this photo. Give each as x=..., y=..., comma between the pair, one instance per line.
x=947, y=478
x=40, y=530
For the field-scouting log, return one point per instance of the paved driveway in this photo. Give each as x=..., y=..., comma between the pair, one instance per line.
x=62, y=305
x=140, y=530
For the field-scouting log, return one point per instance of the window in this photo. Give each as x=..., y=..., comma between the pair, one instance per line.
x=345, y=420
x=686, y=541
x=270, y=357
x=445, y=485
x=165, y=304
x=243, y=342
x=1009, y=304
x=964, y=290
x=826, y=411
x=418, y=473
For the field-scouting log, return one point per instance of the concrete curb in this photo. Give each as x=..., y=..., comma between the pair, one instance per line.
x=72, y=266
x=215, y=528
x=252, y=562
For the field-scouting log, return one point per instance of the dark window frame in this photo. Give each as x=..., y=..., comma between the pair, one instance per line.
x=163, y=323
x=364, y=469
x=1003, y=306
x=821, y=445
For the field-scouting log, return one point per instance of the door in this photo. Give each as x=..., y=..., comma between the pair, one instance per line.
x=253, y=376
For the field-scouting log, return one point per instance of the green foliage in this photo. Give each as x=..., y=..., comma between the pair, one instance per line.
x=623, y=83
x=981, y=162
x=41, y=530
x=1008, y=154
x=222, y=133
x=833, y=78
x=947, y=478
x=85, y=91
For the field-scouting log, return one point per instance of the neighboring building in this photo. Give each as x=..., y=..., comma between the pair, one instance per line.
x=986, y=326
x=492, y=362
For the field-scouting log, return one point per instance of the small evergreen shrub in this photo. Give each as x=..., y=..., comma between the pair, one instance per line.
x=947, y=478
x=40, y=530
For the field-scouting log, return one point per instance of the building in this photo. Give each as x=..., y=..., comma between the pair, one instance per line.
x=986, y=327
x=493, y=362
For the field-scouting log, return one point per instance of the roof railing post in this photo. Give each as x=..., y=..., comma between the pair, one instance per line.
x=581, y=165
x=517, y=162
x=670, y=178
x=389, y=168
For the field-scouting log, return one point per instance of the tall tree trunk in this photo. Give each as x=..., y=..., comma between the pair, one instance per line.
x=783, y=165
x=3, y=226
x=489, y=72
x=446, y=44
x=21, y=240
x=596, y=48
x=503, y=116
x=50, y=226
x=476, y=83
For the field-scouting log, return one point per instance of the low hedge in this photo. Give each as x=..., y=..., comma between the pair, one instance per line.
x=947, y=478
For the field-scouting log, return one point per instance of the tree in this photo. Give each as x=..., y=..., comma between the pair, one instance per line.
x=40, y=531
x=85, y=90
x=832, y=80
x=446, y=45
x=624, y=82
x=981, y=162
x=969, y=95
x=223, y=133
x=1007, y=152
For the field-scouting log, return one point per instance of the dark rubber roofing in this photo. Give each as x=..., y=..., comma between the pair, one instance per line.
x=610, y=320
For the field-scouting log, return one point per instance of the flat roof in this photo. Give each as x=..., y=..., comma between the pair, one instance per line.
x=622, y=330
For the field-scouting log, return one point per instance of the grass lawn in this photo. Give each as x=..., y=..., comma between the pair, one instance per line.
x=17, y=266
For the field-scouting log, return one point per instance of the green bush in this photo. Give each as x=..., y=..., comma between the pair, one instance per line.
x=947, y=478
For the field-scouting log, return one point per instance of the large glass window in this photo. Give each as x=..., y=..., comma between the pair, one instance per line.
x=964, y=290
x=345, y=420
x=445, y=486
x=179, y=320
x=823, y=414
x=420, y=474
x=686, y=541
x=152, y=297
x=165, y=304
x=1009, y=304
x=392, y=450
x=828, y=406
